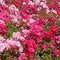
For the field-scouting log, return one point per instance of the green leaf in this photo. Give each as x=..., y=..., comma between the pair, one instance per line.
x=26, y=59
x=39, y=53
x=11, y=30
x=57, y=58
x=6, y=54
x=46, y=57
x=47, y=27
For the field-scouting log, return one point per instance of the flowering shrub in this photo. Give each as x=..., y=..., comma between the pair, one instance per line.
x=29, y=29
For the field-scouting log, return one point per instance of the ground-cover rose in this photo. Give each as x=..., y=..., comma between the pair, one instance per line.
x=29, y=29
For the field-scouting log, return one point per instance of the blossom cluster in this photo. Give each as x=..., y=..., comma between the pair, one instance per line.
x=27, y=27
